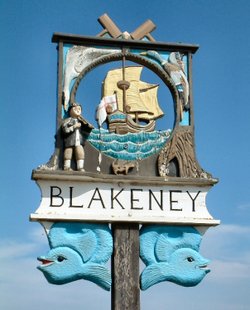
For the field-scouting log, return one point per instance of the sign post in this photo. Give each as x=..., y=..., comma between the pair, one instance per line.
x=117, y=165
x=125, y=267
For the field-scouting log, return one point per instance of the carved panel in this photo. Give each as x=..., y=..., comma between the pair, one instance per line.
x=179, y=156
x=171, y=253
x=78, y=251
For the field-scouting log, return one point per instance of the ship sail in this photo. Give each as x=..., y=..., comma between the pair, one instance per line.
x=148, y=95
x=141, y=97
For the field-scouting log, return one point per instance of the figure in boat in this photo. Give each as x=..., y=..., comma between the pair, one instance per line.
x=128, y=104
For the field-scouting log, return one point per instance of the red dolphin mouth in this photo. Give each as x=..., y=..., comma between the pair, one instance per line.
x=45, y=261
x=204, y=267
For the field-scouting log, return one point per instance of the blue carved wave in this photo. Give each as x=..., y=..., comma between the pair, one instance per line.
x=171, y=253
x=78, y=251
x=131, y=146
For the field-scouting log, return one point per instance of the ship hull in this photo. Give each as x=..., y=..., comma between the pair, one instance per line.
x=121, y=123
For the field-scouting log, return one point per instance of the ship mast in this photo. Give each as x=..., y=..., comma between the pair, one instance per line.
x=123, y=84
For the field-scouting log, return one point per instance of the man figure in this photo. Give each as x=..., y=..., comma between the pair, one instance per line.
x=75, y=130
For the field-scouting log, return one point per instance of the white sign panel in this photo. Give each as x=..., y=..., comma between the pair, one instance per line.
x=80, y=201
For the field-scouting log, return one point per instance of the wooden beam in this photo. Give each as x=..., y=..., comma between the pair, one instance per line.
x=125, y=267
x=144, y=31
x=111, y=42
x=109, y=26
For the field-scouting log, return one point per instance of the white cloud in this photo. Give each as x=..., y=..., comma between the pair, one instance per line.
x=23, y=286
x=226, y=237
x=228, y=248
x=235, y=271
x=38, y=234
x=10, y=248
x=19, y=248
x=244, y=207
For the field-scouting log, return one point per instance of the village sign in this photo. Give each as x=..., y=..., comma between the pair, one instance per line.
x=118, y=164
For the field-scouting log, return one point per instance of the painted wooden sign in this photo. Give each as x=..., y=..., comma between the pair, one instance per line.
x=124, y=155
x=127, y=134
x=144, y=202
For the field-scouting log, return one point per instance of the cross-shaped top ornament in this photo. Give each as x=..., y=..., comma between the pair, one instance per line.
x=111, y=28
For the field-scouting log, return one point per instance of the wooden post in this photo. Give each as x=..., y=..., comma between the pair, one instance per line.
x=125, y=267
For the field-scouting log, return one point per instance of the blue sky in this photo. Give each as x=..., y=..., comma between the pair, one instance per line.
x=222, y=126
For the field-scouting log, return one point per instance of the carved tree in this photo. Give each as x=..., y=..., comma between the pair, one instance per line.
x=180, y=153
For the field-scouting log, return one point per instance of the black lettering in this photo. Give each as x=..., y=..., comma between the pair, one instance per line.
x=71, y=199
x=173, y=201
x=53, y=195
x=193, y=200
x=160, y=204
x=99, y=198
x=132, y=199
x=115, y=198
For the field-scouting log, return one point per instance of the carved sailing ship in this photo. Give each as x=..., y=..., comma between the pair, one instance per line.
x=135, y=106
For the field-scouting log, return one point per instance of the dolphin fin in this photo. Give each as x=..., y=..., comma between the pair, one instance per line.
x=153, y=274
x=98, y=274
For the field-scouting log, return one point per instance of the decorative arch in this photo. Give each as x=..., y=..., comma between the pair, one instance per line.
x=139, y=60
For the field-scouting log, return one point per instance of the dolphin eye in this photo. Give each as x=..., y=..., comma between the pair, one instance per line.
x=190, y=259
x=60, y=258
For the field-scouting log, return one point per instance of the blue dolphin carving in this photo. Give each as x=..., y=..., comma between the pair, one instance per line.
x=170, y=253
x=78, y=251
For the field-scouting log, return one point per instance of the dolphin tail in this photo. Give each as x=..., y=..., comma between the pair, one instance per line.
x=98, y=274
x=153, y=274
